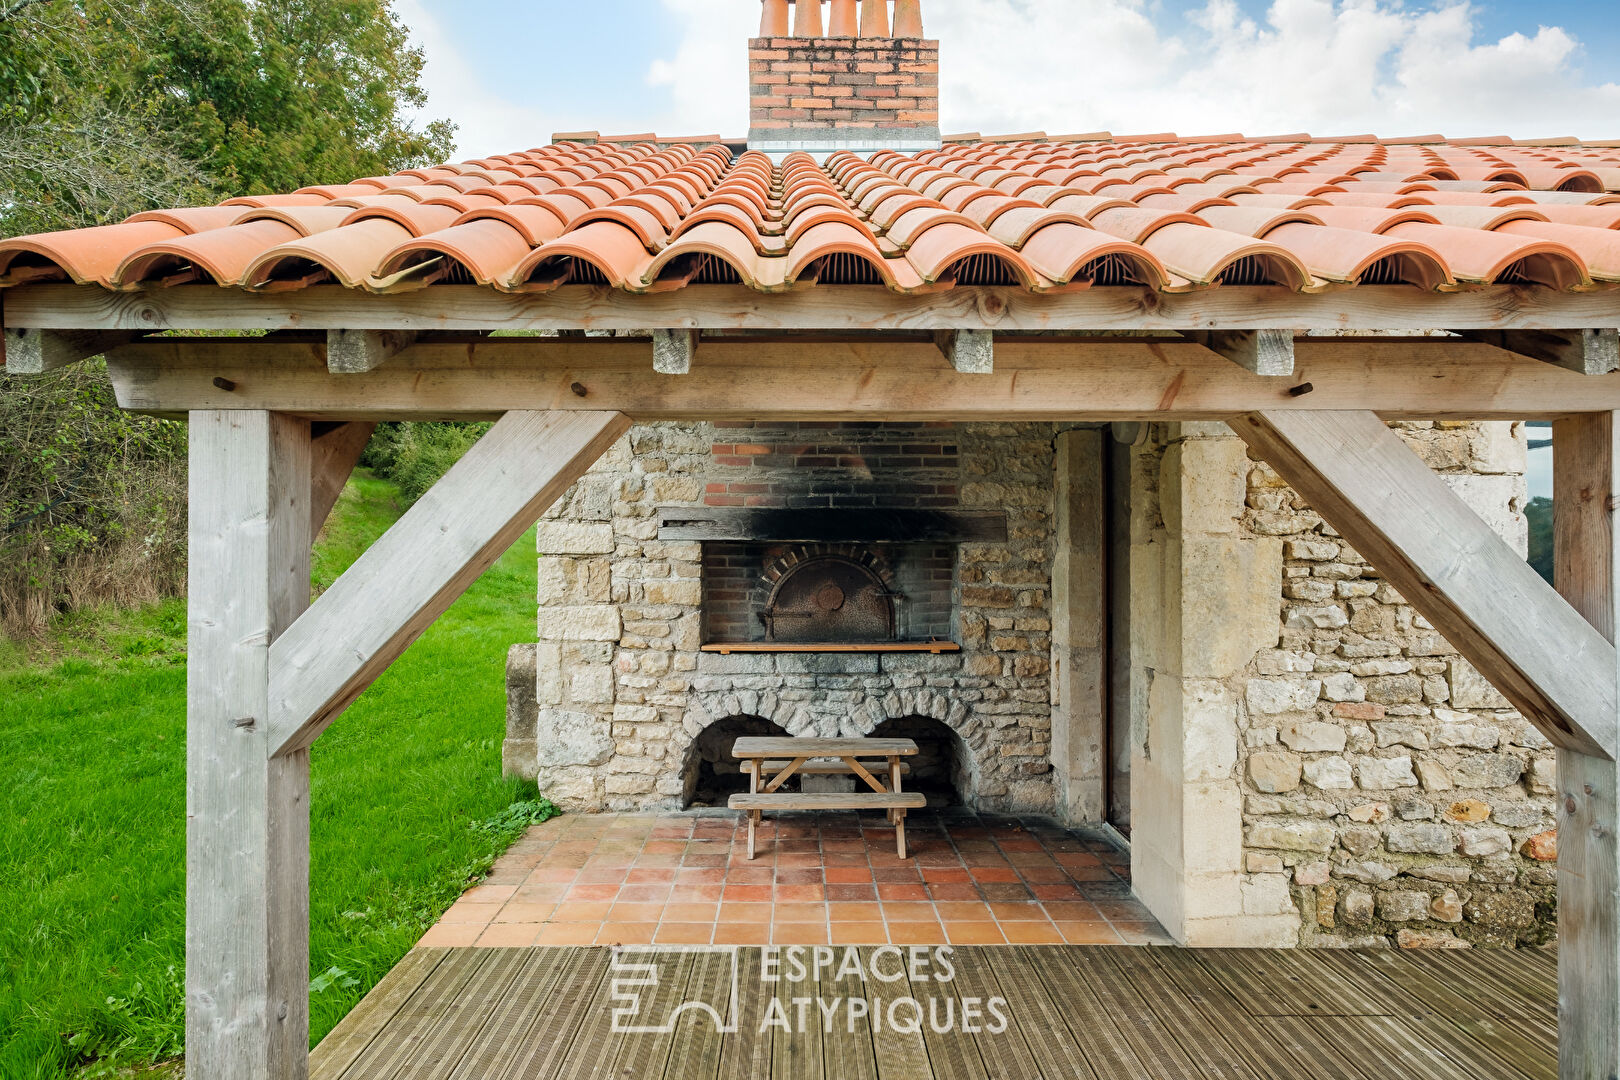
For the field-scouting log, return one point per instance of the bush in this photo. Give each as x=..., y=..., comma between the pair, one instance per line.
x=414, y=456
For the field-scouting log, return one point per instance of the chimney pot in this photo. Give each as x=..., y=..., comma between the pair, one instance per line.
x=908, y=19
x=807, y=19
x=773, y=20
x=843, y=22
x=874, y=18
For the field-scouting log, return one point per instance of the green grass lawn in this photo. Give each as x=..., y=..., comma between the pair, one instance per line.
x=408, y=807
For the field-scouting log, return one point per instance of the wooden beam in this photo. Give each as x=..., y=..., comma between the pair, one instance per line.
x=673, y=351
x=420, y=566
x=1487, y=601
x=247, y=814
x=355, y=352
x=1584, y=566
x=34, y=352
x=970, y=352
x=336, y=451
x=1042, y=379
x=823, y=307
x=1263, y=352
x=1590, y=352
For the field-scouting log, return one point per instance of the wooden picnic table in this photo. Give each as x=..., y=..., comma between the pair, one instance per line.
x=782, y=758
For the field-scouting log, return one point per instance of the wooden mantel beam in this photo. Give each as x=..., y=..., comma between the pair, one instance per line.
x=824, y=307
x=1035, y=378
x=1479, y=593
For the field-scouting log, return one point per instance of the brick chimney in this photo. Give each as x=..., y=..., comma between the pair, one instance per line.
x=842, y=79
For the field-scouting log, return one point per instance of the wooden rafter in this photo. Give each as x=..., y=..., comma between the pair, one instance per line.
x=890, y=378
x=825, y=307
x=1449, y=565
x=428, y=558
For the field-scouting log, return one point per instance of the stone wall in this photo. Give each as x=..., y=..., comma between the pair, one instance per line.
x=1401, y=796
x=622, y=689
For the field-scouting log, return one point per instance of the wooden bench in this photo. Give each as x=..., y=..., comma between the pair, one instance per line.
x=781, y=758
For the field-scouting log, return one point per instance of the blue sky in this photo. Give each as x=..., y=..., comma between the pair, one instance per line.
x=1392, y=67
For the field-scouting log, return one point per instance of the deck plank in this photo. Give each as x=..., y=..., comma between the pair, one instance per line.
x=648, y=1053
x=1062, y=1020
x=437, y=1003
x=514, y=1013
x=376, y=1010
x=444, y=1044
x=746, y=1055
x=1010, y=1052
x=796, y=1053
x=695, y=1053
x=901, y=1055
x=851, y=1054
x=1139, y=985
x=558, y=1021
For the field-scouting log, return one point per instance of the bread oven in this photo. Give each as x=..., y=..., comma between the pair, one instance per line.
x=832, y=597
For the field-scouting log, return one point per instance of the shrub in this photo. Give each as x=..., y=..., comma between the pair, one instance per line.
x=415, y=456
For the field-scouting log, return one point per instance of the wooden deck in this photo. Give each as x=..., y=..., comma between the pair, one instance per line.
x=1074, y=1012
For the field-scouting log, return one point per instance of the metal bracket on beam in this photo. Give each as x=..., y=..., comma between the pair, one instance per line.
x=1264, y=352
x=354, y=352
x=34, y=352
x=971, y=352
x=1589, y=352
x=673, y=351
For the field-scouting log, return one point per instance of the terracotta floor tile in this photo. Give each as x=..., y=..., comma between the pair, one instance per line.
x=516, y=912
x=750, y=875
x=634, y=913
x=591, y=892
x=1018, y=912
x=748, y=893
x=855, y=912
x=963, y=911
x=949, y=890
x=552, y=874
x=1031, y=933
x=993, y=873
x=643, y=894
x=602, y=875
x=451, y=935
x=799, y=877
x=743, y=933
x=851, y=893
x=795, y=913
x=675, y=933
x=487, y=894
x=626, y=933
x=470, y=913
x=896, y=874
x=665, y=847
x=539, y=894
x=917, y=933
x=1142, y=933
x=1123, y=911
x=902, y=892
x=581, y=933
x=508, y=936
x=703, y=875
x=1007, y=892
x=799, y=933
x=848, y=875
x=904, y=911
x=974, y=933
x=1076, y=912
x=1088, y=933
x=946, y=874
x=649, y=875
x=581, y=911
x=800, y=893
x=743, y=913
x=690, y=913
x=857, y=933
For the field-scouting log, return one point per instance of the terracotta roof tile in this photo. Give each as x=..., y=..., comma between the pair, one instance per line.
x=1027, y=211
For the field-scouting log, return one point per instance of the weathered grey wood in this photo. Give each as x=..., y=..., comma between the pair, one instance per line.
x=900, y=1055
x=1585, y=562
x=376, y=1010
x=826, y=307
x=424, y=562
x=513, y=1013
x=438, y=1003
x=1263, y=352
x=1043, y=379
x=1509, y=623
x=355, y=352
x=828, y=800
x=1590, y=352
x=674, y=350
x=575, y=1006
x=247, y=813
x=34, y=352
x=763, y=746
x=970, y=352
x=333, y=457
x=812, y=768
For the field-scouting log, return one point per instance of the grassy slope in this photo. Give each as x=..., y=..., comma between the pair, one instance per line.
x=92, y=813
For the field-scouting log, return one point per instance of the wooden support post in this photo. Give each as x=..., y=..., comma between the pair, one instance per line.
x=971, y=352
x=673, y=351
x=1584, y=565
x=1590, y=352
x=354, y=352
x=336, y=452
x=34, y=352
x=1477, y=591
x=247, y=812
x=420, y=566
x=1264, y=352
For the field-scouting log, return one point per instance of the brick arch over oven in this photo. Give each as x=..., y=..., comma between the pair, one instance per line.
x=801, y=719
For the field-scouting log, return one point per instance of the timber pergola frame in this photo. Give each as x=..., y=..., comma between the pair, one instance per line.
x=278, y=422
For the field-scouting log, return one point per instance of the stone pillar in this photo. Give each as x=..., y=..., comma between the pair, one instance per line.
x=1204, y=600
x=1079, y=630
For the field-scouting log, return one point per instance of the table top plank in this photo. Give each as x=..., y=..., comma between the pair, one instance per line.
x=768, y=747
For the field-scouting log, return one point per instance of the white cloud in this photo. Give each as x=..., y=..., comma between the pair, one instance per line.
x=1324, y=66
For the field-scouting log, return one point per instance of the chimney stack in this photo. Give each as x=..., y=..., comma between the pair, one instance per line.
x=845, y=84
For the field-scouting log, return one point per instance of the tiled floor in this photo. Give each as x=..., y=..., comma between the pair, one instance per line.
x=619, y=879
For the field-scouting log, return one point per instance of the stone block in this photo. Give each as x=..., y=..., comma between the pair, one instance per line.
x=548, y=673
x=1403, y=906
x=574, y=538
x=1419, y=838
x=1329, y=774
x=567, y=737
x=1469, y=690
x=1498, y=500
x=595, y=623
x=686, y=592
x=1313, y=737
x=591, y=684
x=1209, y=725
x=1322, y=617
x=1433, y=776
x=1274, y=773
x=1292, y=835
x=1484, y=843
x=1487, y=771
x=1385, y=773
x=1394, y=733
x=1342, y=686
x=1269, y=697
x=1473, y=736
x=828, y=663
x=1543, y=778
x=1395, y=689
x=1468, y=812
x=1228, y=603
x=1542, y=847
x=521, y=704
x=736, y=664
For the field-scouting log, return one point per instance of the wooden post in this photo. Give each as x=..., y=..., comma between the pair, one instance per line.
x=247, y=813
x=1588, y=883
